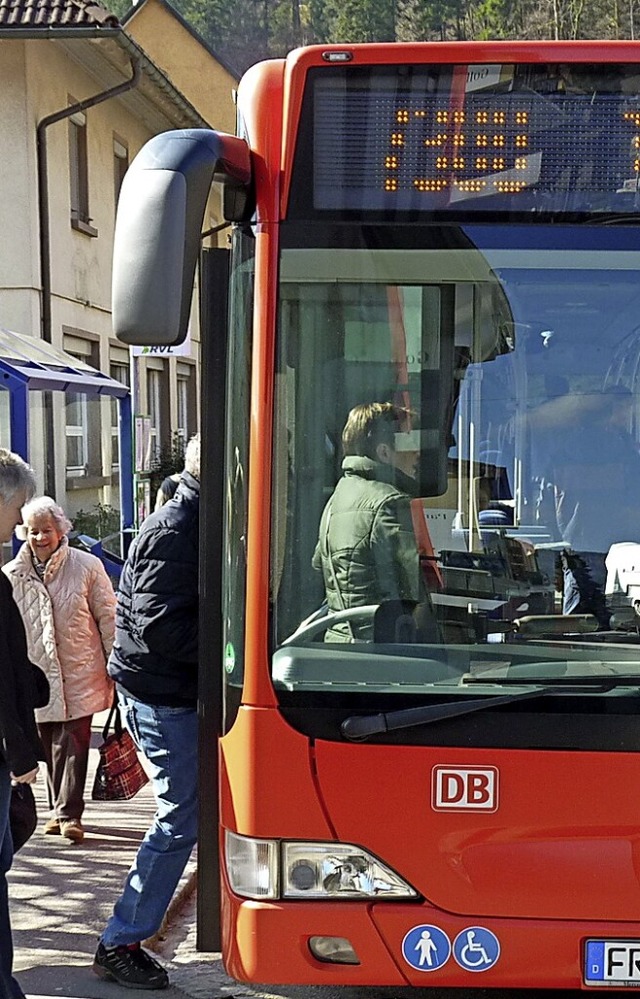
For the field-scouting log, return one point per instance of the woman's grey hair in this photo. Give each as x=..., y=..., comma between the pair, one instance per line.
x=15, y=476
x=38, y=507
x=192, y=457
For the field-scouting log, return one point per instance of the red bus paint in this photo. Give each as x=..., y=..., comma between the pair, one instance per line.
x=446, y=795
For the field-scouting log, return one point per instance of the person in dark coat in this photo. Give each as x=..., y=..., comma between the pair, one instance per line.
x=167, y=490
x=154, y=663
x=20, y=747
x=367, y=550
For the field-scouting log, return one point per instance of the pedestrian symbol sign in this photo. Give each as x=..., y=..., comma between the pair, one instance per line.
x=426, y=948
x=476, y=949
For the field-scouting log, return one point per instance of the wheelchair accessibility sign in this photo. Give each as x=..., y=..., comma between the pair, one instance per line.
x=428, y=948
x=476, y=949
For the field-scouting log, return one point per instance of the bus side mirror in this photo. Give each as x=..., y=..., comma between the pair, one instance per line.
x=158, y=225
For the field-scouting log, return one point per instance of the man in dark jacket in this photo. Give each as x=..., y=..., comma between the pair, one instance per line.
x=20, y=748
x=154, y=663
x=367, y=548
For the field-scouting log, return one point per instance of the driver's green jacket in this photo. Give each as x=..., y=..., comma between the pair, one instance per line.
x=366, y=545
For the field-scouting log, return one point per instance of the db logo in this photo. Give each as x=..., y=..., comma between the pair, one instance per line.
x=462, y=788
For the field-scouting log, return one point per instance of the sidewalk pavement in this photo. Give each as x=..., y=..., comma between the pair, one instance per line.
x=62, y=894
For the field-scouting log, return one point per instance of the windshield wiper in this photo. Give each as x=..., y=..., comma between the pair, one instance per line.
x=359, y=727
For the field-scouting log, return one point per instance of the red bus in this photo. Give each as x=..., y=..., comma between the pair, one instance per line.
x=438, y=789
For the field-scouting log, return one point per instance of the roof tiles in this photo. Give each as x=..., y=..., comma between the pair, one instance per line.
x=54, y=14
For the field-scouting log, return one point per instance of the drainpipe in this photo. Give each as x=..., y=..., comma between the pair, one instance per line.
x=43, y=182
x=45, y=235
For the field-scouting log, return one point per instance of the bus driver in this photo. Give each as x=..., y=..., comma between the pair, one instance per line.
x=366, y=547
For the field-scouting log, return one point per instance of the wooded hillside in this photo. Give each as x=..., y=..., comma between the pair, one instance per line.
x=246, y=31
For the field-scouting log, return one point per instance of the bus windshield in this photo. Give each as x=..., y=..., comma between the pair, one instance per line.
x=491, y=529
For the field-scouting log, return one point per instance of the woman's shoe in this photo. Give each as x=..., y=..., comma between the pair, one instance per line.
x=72, y=830
x=52, y=827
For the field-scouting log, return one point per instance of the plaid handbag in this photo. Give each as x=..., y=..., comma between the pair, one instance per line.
x=119, y=775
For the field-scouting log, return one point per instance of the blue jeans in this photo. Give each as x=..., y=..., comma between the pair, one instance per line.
x=9, y=988
x=168, y=737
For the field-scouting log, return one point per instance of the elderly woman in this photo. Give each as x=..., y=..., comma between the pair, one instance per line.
x=20, y=747
x=68, y=607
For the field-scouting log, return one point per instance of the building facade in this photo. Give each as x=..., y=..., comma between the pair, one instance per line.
x=81, y=95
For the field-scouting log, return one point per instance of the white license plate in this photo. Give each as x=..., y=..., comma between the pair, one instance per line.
x=612, y=962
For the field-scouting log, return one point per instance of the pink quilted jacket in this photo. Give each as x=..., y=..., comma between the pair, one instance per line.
x=70, y=621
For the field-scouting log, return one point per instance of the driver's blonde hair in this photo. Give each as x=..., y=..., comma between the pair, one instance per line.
x=373, y=423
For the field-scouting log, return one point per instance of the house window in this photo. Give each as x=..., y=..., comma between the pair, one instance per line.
x=186, y=400
x=154, y=405
x=183, y=409
x=79, y=175
x=82, y=416
x=77, y=430
x=120, y=371
x=120, y=166
x=158, y=404
x=5, y=417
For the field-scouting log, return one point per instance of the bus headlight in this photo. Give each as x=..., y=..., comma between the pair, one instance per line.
x=264, y=868
x=329, y=870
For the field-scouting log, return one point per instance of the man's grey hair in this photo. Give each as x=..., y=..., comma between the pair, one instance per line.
x=15, y=476
x=40, y=506
x=192, y=457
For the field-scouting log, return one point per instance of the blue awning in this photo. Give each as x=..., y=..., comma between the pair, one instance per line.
x=39, y=365
x=28, y=364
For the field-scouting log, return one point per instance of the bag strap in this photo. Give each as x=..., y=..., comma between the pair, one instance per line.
x=114, y=716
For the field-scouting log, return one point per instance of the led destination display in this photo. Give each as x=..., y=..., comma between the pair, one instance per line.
x=521, y=138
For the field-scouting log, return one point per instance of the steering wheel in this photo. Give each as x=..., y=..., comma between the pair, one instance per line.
x=323, y=618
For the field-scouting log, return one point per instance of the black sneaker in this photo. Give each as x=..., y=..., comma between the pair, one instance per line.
x=129, y=965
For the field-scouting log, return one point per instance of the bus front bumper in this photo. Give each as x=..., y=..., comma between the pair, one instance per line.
x=408, y=944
